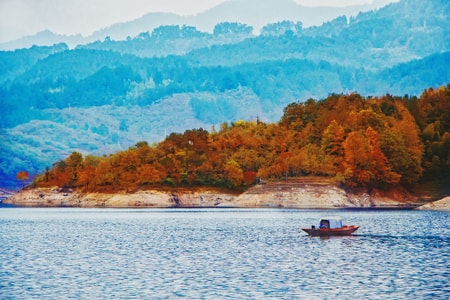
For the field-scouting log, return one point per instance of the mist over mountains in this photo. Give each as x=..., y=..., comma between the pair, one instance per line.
x=251, y=12
x=106, y=95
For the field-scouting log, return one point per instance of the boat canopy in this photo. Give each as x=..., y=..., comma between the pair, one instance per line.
x=330, y=222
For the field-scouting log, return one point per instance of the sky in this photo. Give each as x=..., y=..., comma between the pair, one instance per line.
x=27, y=17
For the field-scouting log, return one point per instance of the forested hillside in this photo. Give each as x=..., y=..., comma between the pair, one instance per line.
x=104, y=96
x=360, y=142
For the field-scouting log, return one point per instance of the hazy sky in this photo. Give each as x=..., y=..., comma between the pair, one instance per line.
x=27, y=17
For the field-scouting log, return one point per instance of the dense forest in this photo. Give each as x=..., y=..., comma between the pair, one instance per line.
x=103, y=96
x=361, y=142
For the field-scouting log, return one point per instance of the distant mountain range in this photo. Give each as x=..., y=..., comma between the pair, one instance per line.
x=254, y=13
x=106, y=95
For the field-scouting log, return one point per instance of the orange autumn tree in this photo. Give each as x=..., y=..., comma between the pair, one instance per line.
x=371, y=142
x=356, y=160
x=22, y=176
x=234, y=173
x=381, y=171
x=332, y=144
x=86, y=176
x=104, y=173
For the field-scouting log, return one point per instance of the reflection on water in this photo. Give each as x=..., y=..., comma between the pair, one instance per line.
x=220, y=254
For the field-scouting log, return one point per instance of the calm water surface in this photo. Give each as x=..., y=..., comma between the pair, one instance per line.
x=220, y=254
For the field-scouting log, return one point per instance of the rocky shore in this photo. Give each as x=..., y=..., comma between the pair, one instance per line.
x=52, y=197
x=443, y=205
x=298, y=193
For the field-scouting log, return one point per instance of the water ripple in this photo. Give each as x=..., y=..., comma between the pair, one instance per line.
x=220, y=254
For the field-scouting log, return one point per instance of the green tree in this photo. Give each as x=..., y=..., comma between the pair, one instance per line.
x=74, y=163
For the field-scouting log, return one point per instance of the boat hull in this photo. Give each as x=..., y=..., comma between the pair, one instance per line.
x=343, y=231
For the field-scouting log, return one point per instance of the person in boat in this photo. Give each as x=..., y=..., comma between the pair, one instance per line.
x=324, y=224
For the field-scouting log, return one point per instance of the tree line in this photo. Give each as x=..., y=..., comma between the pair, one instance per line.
x=360, y=141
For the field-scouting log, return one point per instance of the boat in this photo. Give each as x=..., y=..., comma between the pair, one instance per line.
x=331, y=226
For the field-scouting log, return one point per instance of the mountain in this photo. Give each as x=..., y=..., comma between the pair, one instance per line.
x=252, y=12
x=373, y=40
x=44, y=38
x=174, y=40
x=104, y=96
x=14, y=63
x=259, y=13
x=407, y=77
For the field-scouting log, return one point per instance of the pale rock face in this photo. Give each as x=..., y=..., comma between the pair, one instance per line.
x=443, y=204
x=296, y=193
x=293, y=196
x=52, y=197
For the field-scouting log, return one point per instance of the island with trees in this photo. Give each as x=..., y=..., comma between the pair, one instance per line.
x=359, y=144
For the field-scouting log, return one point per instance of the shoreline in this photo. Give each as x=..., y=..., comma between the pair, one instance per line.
x=296, y=194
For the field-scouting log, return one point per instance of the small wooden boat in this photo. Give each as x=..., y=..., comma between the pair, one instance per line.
x=331, y=226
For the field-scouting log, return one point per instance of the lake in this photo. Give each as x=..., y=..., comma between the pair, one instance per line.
x=49, y=253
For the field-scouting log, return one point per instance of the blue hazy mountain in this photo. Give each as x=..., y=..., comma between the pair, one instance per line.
x=255, y=13
x=105, y=96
